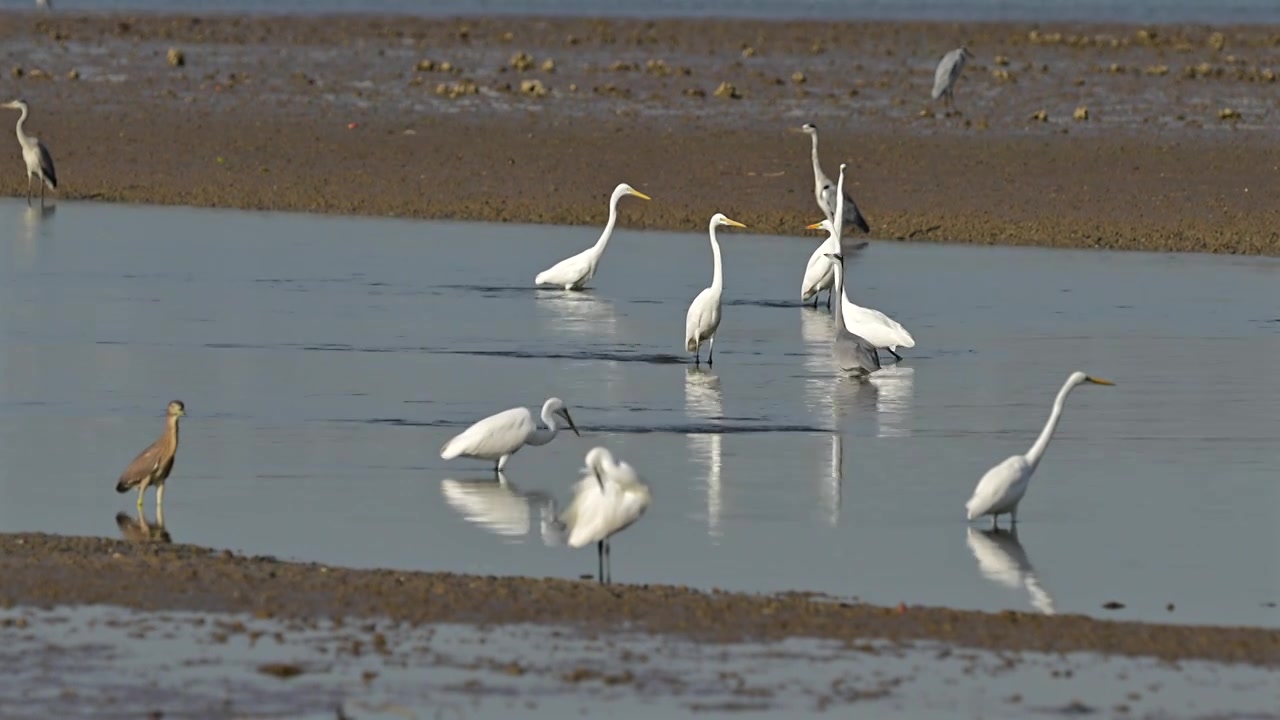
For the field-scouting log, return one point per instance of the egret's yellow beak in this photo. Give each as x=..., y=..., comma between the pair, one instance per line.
x=640, y=195
x=734, y=223
x=1098, y=381
x=815, y=226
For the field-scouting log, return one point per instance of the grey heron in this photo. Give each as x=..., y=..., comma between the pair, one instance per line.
x=608, y=499
x=824, y=191
x=703, y=318
x=500, y=436
x=153, y=465
x=1003, y=486
x=852, y=353
x=34, y=153
x=944, y=78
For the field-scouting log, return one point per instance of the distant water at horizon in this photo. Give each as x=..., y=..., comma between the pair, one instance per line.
x=1224, y=12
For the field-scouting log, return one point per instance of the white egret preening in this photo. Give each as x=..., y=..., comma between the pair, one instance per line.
x=500, y=436
x=1002, y=487
x=703, y=318
x=824, y=191
x=948, y=72
x=34, y=154
x=608, y=499
x=575, y=272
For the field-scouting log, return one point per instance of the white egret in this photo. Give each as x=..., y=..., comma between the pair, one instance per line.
x=824, y=191
x=575, y=272
x=500, y=436
x=703, y=318
x=1002, y=487
x=34, y=154
x=607, y=500
x=948, y=72
x=818, y=273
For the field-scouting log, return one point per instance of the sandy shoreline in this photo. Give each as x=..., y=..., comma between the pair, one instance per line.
x=333, y=115
x=47, y=570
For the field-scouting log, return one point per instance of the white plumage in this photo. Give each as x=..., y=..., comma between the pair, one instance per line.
x=944, y=78
x=703, y=318
x=574, y=272
x=499, y=436
x=608, y=499
x=820, y=272
x=1003, y=486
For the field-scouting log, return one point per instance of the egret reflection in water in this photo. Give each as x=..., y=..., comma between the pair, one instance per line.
x=580, y=313
x=895, y=395
x=832, y=486
x=502, y=508
x=703, y=399
x=31, y=233
x=1001, y=559
x=142, y=530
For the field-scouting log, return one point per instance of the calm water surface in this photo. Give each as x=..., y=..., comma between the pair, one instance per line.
x=325, y=360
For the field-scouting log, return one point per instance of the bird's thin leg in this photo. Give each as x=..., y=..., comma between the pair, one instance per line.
x=608, y=562
x=711, y=352
x=995, y=521
x=828, y=298
x=697, y=356
x=894, y=354
x=1013, y=517
x=159, y=498
x=141, y=492
x=600, y=560
x=28, y=189
x=41, y=192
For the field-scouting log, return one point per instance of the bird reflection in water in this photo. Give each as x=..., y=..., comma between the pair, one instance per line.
x=581, y=313
x=831, y=487
x=142, y=530
x=895, y=395
x=703, y=400
x=29, y=238
x=502, y=508
x=1002, y=560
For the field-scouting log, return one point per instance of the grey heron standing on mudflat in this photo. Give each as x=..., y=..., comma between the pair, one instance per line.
x=948, y=72
x=34, y=153
x=825, y=191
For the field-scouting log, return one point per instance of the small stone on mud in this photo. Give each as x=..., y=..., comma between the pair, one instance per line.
x=1081, y=113
x=533, y=87
x=176, y=58
x=1040, y=116
x=727, y=90
x=1229, y=114
x=521, y=61
x=798, y=77
x=283, y=671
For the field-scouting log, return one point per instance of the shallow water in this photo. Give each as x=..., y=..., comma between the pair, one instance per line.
x=1139, y=11
x=192, y=665
x=325, y=360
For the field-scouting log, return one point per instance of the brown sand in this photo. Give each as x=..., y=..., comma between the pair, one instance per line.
x=51, y=570
x=258, y=116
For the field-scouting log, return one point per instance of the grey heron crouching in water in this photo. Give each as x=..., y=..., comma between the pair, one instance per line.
x=34, y=153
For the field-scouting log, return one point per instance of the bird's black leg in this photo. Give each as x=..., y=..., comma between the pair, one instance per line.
x=894, y=354
x=608, y=562
x=828, y=299
x=42, y=193
x=600, y=560
x=711, y=353
x=28, y=190
x=995, y=521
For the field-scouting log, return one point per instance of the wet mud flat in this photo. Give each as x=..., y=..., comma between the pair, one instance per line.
x=48, y=570
x=1144, y=138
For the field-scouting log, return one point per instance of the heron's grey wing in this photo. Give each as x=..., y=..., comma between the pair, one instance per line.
x=141, y=467
x=854, y=217
x=828, y=203
x=46, y=165
x=855, y=355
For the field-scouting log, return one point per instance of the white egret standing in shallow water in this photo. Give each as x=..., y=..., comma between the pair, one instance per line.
x=871, y=325
x=499, y=436
x=948, y=72
x=703, y=318
x=818, y=273
x=1001, y=489
x=824, y=191
x=575, y=272
x=607, y=500
x=34, y=154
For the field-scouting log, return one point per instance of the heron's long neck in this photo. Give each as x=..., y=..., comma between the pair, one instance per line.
x=544, y=435
x=817, y=168
x=717, y=272
x=22, y=134
x=837, y=288
x=608, y=228
x=1042, y=443
x=171, y=431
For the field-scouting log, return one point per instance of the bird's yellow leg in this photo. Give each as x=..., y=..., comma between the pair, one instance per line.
x=159, y=497
x=141, y=491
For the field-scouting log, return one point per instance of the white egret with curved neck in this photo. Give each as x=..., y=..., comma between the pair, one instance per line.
x=34, y=154
x=703, y=318
x=608, y=499
x=1002, y=487
x=500, y=436
x=575, y=272
x=818, y=273
x=872, y=325
x=825, y=191
x=947, y=73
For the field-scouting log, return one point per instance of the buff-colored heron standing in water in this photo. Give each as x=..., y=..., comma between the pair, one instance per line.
x=34, y=154
x=153, y=465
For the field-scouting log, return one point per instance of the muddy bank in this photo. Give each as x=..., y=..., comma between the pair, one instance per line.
x=47, y=570
x=528, y=120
